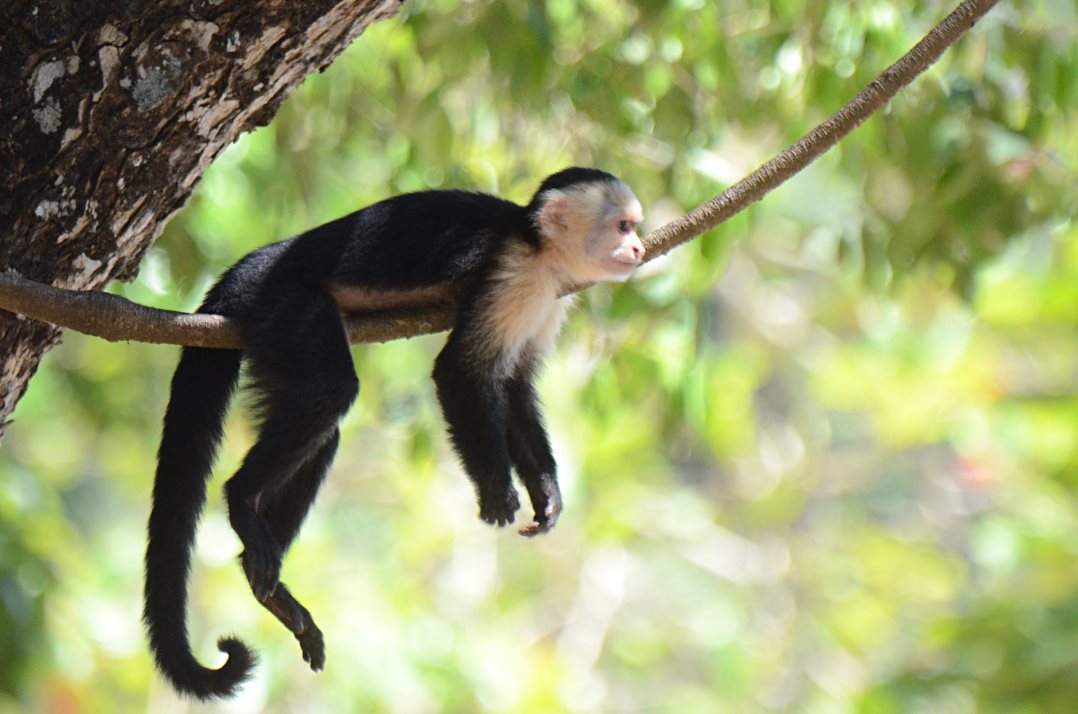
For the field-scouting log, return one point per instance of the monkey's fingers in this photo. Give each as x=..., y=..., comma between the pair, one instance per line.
x=499, y=510
x=535, y=528
x=540, y=525
x=501, y=521
x=551, y=503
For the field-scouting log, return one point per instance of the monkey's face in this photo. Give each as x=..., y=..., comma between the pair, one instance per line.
x=614, y=246
x=591, y=229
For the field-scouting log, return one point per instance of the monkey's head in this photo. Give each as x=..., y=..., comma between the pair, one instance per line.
x=587, y=221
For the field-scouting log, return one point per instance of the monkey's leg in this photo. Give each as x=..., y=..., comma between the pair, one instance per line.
x=529, y=448
x=473, y=404
x=301, y=365
x=285, y=510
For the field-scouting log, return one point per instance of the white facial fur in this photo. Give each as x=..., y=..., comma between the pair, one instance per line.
x=591, y=230
x=582, y=242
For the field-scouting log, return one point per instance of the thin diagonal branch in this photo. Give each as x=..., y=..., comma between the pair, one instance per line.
x=814, y=144
x=115, y=318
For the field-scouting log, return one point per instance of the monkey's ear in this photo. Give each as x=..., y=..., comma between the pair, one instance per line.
x=552, y=216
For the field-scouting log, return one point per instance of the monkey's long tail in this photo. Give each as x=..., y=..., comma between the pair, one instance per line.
x=201, y=390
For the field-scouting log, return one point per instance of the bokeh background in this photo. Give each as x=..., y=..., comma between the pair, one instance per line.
x=822, y=459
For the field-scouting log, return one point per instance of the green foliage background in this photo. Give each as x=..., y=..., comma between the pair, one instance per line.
x=822, y=459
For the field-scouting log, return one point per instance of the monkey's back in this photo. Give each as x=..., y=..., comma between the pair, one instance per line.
x=423, y=238
x=410, y=241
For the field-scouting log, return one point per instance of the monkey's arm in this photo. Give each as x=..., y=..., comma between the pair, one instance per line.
x=474, y=407
x=529, y=449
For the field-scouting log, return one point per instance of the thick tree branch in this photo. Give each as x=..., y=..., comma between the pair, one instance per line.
x=115, y=318
x=111, y=112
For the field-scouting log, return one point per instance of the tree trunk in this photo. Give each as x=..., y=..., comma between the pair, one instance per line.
x=112, y=111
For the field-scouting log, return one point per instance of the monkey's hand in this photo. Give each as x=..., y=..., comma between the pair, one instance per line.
x=546, y=500
x=500, y=507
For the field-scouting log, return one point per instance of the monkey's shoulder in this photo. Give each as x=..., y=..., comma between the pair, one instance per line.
x=428, y=216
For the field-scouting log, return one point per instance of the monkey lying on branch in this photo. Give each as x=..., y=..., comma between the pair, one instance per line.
x=262, y=506
x=506, y=266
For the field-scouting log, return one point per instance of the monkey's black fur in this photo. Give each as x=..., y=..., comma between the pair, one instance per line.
x=282, y=299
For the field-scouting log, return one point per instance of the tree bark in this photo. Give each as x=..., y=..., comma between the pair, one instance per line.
x=111, y=113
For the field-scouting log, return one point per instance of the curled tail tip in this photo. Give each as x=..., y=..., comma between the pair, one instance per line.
x=241, y=659
x=202, y=683
x=236, y=669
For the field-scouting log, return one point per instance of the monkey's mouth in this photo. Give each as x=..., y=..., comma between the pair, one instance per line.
x=628, y=261
x=621, y=267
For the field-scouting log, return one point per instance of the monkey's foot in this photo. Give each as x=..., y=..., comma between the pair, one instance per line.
x=262, y=566
x=501, y=509
x=313, y=647
x=299, y=622
x=546, y=499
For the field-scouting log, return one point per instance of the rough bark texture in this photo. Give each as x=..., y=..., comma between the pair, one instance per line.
x=112, y=110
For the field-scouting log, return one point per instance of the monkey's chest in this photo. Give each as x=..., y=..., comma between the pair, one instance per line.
x=525, y=317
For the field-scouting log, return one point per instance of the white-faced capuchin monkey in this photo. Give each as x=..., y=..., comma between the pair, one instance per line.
x=505, y=266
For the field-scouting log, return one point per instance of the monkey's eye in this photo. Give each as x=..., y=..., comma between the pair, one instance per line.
x=624, y=226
